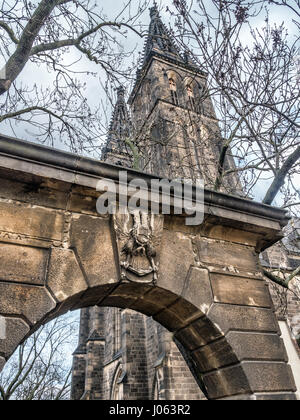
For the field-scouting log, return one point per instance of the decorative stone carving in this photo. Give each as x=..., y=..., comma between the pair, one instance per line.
x=138, y=240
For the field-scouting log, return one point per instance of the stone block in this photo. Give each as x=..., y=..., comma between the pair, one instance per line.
x=32, y=302
x=23, y=264
x=269, y=377
x=91, y=297
x=32, y=189
x=83, y=204
x=243, y=397
x=31, y=221
x=91, y=237
x=227, y=254
x=65, y=278
x=197, y=289
x=276, y=397
x=229, y=234
x=198, y=334
x=251, y=346
x=226, y=382
x=240, y=291
x=178, y=315
x=15, y=331
x=154, y=301
x=214, y=356
x=234, y=317
x=125, y=295
x=176, y=247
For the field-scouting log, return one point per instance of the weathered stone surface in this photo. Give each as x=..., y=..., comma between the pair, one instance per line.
x=276, y=397
x=2, y=363
x=91, y=237
x=269, y=377
x=243, y=397
x=240, y=291
x=83, y=204
x=91, y=297
x=40, y=192
x=125, y=295
x=154, y=301
x=215, y=356
x=227, y=254
x=16, y=330
x=197, y=289
x=31, y=221
x=226, y=382
x=175, y=247
x=251, y=346
x=198, y=334
x=29, y=301
x=178, y=315
x=23, y=264
x=65, y=277
x=229, y=234
x=234, y=317
x=84, y=254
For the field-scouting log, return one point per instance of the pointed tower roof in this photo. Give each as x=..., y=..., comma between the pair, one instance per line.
x=120, y=121
x=161, y=43
x=160, y=39
x=120, y=127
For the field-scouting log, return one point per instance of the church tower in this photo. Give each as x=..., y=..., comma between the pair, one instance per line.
x=173, y=130
x=173, y=113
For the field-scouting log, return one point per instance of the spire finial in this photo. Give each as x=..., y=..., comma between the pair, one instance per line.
x=154, y=12
x=120, y=93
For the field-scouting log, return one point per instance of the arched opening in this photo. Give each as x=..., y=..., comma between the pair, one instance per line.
x=191, y=97
x=173, y=91
x=187, y=323
x=117, y=392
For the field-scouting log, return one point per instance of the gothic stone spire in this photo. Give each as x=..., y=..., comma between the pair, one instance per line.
x=160, y=39
x=120, y=128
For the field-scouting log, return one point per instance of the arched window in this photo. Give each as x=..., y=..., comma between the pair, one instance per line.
x=191, y=96
x=117, y=392
x=173, y=89
x=201, y=94
x=117, y=330
x=158, y=388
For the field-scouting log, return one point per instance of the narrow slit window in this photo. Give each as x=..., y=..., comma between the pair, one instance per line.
x=192, y=103
x=173, y=89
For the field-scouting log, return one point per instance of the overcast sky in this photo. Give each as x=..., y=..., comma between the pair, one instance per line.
x=94, y=92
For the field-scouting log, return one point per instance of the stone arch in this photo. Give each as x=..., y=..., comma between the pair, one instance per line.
x=202, y=283
x=203, y=340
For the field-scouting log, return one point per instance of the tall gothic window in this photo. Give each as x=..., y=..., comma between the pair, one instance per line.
x=173, y=89
x=190, y=92
x=117, y=330
x=201, y=99
x=117, y=392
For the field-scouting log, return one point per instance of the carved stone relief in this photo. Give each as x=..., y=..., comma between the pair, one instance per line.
x=138, y=240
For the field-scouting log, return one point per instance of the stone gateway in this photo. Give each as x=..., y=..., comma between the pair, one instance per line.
x=167, y=309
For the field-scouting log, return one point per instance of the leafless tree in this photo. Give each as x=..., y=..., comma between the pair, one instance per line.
x=66, y=41
x=38, y=369
x=253, y=74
